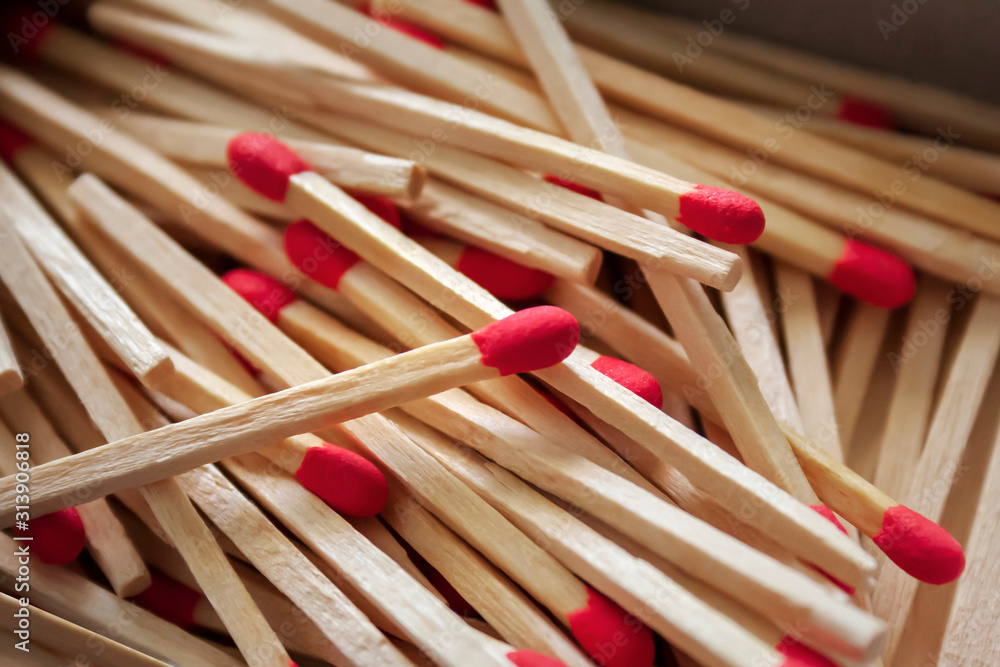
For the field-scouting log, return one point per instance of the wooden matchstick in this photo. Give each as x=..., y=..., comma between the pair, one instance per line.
x=854, y=364
x=10, y=373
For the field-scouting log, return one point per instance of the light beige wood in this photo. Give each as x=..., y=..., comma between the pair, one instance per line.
x=205, y=145
x=107, y=541
x=82, y=285
x=10, y=373
x=219, y=182
x=938, y=467
x=77, y=600
x=854, y=363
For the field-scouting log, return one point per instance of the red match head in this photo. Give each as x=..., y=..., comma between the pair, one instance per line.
x=873, y=275
x=501, y=277
x=528, y=340
x=405, y=27
x=867, y=114
x=263, y=292
x=347, y=482
x=799, y=655
x=380, y=206
x=828, y=514
x=532, y=659
x=721, y=215
x=633, y=378
x=486, y=4
x=12, y=142
x=58, y=537
x=263, y=163
x=24, y=32
x=316, y=254
x=571, y=185
x=920, y=547
x=169, y=599
x=610, y=635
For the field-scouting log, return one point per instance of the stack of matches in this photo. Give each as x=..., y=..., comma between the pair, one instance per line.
x=433, y=332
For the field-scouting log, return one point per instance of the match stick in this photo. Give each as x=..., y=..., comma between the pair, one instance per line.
x=217, y=181
x=107, y=541
x=82, y=285
x=77, y=600
x=205, y=145
x=939, y=464
x=10, y=373
x=854, y=362
x=71, y=639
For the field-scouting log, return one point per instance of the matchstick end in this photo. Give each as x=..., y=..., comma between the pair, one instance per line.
x=721, y=214
x=316, y=254
x=58, y=537
x=799, y=655
x=633, y=378
x=920, y=547
x=528, y=340
x=169, y=599
x=263, y=292
x=602, y=624
x=873, y=275
x=504, y=279
x=263, y=163
x=347, y=482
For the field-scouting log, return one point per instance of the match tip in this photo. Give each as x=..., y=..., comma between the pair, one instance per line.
x=501, y=277
x=263, y=292
x=602, y=625
x=532, y=659
x=867, y=114
x=263, y=163
x=528, y=340
x=920, y=547
x=721, y=214
x=347, y=482
x=633, y=378
x=572, y=185
x=169, y=599
x=828, y=514
x=873, y=275
x=799, y=655
x=12, y=142
x=24, y=32
x=404, y=27
x=380, y=206
x=316, y=254
x=58, y=537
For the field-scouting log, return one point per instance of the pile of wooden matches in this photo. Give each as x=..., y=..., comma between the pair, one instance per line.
x=377, y=335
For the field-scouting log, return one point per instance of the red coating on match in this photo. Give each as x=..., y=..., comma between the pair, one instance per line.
x=800, y=655
x=143, y=52
x=347, y=482
x=571, y=185
x=528, y=340
x=920, y=547
x=501, y=277
x=405, y=27
x=263, y=163
x=828, y=514
x=486, y=4
x=169, y=599
x=532, y=659
x=380, y=206
x=867, y=114
x=316, y=254
x=633, y=378
x=58, y=537
x=873, y=275
x=12, y=142
x=610, y=635
x=721, y=214
x=22, y=35
x=263, y=292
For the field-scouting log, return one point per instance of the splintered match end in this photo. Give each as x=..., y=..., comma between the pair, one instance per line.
x=873, y=275
x=920, y=547
x=316, y=254
x=263, y=163
x=528, y=340
x=598, y=627
x=12, y=142
x=169, y=599
x=800, y=655
x=532, y=659
x=721, y=215
x=633, y=378
x=347, y=482
x=58, y=538
x=501, y=277
x=263, y=292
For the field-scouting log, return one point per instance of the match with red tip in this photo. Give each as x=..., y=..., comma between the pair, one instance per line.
x=528, y=340
x=267, y=295
x=572, y=185
x=610, y=635
x=800, y=655
x=828, y=514
x=316, y=254
x=170, y=600
x=633, y=378
x=347, y=482
x=404, y=27
x=263, y=163
x=866, y=114
x=721, y=215
x=532, y=659
x=12, y=142
x=504, y=279
x=58, y=538
x=920, y=547
x=24, y=35
x=873, y=275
